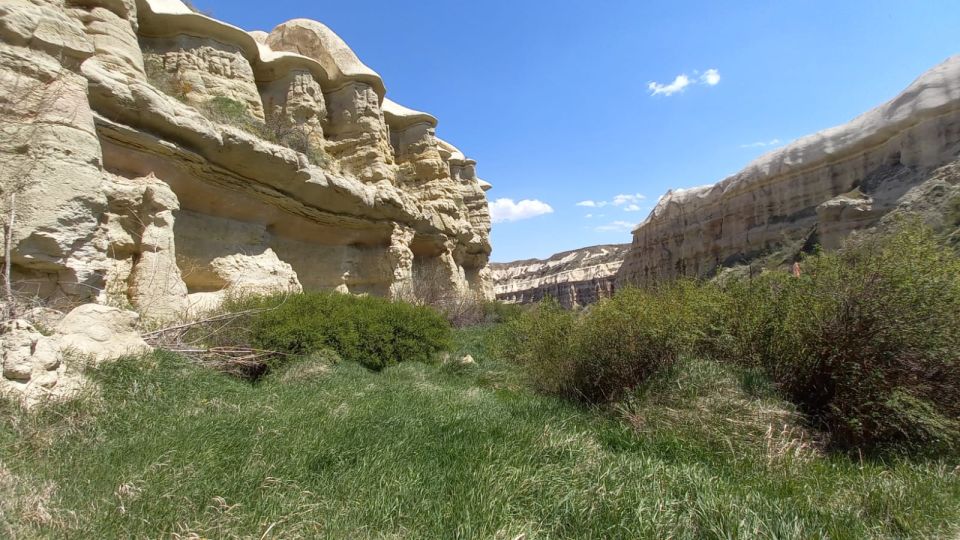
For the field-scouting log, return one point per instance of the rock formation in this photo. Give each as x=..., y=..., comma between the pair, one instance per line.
x=35, y=364
x=901, y=157
x=575, y=278
x=161, y=159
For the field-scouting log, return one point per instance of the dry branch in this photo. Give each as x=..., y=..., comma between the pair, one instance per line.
x=200, y=341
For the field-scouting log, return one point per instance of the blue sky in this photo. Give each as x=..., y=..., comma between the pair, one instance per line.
x=554, y=99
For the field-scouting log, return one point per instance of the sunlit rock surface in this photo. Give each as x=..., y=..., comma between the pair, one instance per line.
x=131, y=193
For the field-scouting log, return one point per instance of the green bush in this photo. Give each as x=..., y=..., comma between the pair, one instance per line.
x=616, y=345
x=496, y=311
x=866, y=341
x=624, y=340
x=372, y=331
x=541, y=340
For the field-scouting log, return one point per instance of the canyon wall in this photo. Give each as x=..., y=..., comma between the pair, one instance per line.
x=160, y=159
x=899, y=158
x=574, y=278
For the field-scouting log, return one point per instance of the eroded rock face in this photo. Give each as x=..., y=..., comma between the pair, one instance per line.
x=49, y=152
x=574, y=278
x=899, y=158
x=200, y=69
x=38, y=367
x=130, y=192
x=101, y=333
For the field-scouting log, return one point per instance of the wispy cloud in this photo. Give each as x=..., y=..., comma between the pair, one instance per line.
x=678, y=85
x=502, y=210
x=592, y=204
x=627, y=198
x=616, y=226
x=710, y=77
x=627, y=201
x=762, y=144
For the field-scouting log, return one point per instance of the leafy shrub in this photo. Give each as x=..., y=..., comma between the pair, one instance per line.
x=541, y=340
x=624, y=340
x=866, y=341
x=496, y=311
x=598, y=355
x=369, y=330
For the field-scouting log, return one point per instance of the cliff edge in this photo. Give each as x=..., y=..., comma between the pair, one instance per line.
x=901, y=157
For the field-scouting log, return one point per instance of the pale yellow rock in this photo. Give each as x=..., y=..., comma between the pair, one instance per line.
x=101, y=333
x=33, y=367
x=139, y=231
x=49, y=152
x=261, y=273
x=314, y=40
x=111, y=30
x=160, y=208
x=201, y=69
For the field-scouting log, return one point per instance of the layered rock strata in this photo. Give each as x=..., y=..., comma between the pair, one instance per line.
x=130, y=190
x=901, y=157
x=574, y=278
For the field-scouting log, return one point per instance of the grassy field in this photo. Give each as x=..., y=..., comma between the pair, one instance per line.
x=165, y=449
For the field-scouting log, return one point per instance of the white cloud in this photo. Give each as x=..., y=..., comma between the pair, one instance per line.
x=762, y=144
x=616, y=226
x=592, y=204
x=589, y=216
x=678, y=85
x=710, y=77
x=627, y=198
x=502, y=210
x=632, y=208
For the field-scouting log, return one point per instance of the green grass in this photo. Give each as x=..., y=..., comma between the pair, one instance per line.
x=167, y=449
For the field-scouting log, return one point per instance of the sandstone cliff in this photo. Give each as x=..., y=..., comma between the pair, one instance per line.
x=574, y=278
x=161, y=158
x=901, y=157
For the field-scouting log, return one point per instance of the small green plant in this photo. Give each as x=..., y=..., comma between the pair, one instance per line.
x=228, y=111
x=541, y=340
x=371, y=331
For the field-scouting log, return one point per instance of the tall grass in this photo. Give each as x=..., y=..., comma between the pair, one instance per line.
x=172, y=450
